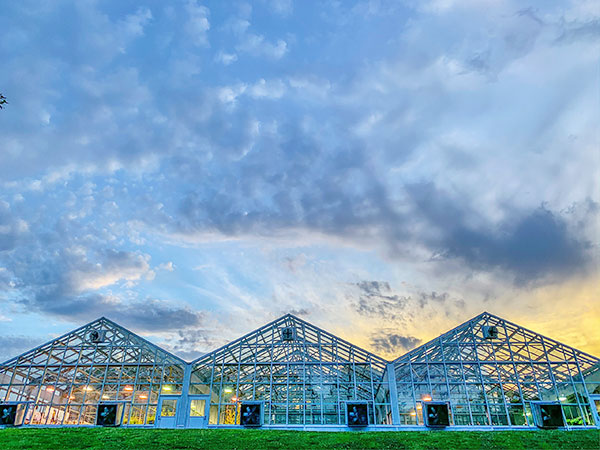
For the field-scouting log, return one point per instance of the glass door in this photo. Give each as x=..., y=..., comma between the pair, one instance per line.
x=167, y=411
x=198, y=411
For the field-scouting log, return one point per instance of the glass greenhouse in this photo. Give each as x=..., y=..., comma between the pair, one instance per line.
x=486, y=373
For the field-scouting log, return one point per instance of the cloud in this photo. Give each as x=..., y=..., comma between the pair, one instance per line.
x=12, y=228
x=393, y=344
x=258, y=45
x=377, y=300
x=197, y=24
x=226, y=58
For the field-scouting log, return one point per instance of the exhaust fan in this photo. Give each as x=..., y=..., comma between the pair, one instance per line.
x=107, y=415
x=436, y=414
x=548, y=415
x=97, y=336
x=251, y=414
x=8, y=415
x=357, y=414
x=288, y=334
x=490, y=332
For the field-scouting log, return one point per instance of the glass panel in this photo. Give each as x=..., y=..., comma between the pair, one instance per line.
x=197, y=408
x=168, y=407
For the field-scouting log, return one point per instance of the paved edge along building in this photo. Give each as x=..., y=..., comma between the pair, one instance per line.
x=487, y=373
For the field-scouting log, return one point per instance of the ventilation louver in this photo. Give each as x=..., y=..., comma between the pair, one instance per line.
x=357, y=414
x=251, y=414
x=107, y=415
x=490, y=332
x=436, y=414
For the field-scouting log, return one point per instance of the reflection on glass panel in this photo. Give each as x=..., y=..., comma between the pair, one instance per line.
x=197, y=408
x=168, y=407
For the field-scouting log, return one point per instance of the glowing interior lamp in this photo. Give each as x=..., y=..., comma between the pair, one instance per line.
x=234, y=399
x=413, y=413
x=105, y=396
x=128, y=388
x=562, y=398
x=419, y=406
x=49, y=389
x=426, y=398
x=167, y=388
x=143, y=396
x=88, y=388
x=228, y=390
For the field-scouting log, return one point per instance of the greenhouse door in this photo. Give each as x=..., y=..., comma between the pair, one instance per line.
x=595, y=401
x=198, y=411
x=167, y=411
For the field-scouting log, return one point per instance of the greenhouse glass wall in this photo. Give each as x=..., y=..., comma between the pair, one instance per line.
x=487, y=373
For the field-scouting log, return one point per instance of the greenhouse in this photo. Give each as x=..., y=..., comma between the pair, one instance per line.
x=487, y=373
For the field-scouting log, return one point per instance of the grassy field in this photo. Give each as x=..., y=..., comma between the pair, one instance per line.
x=94, y=438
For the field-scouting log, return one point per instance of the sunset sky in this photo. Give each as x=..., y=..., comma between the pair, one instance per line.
x=382, y=169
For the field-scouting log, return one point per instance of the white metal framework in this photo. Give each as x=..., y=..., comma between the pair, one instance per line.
x=488, y=370
x=491, y=380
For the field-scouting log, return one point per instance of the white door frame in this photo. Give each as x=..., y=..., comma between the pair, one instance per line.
x=198, y=422
x=169, y=421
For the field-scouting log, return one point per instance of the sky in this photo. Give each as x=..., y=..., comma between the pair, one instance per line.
x=385, y=170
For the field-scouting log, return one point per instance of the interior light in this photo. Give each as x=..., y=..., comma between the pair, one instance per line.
x=49, y=389
x=413, y=413
x=419, y=406
x=234, y=399
x=167, y=388
x=228, y=390
x=128, y=388
x=106, y=396
x=426, y=398
x=562, y=398
x=88, y=388
x=143, y=396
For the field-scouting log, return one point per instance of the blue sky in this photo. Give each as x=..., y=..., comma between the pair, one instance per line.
x=383, y=169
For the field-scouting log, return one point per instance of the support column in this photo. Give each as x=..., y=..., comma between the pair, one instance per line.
x=182, y=414
x=393, y=393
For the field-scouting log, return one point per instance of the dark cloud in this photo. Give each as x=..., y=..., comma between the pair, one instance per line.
x=530, y=246
x=190, y=344
x=376, y=299
x=12, y=345
x=138, y=314
x=394, y=344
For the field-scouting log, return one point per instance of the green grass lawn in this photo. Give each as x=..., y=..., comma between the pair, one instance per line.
x=97, y=438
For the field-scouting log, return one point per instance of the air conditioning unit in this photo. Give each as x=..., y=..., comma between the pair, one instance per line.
x=436, y=414
x=251, y=414
x=548, y=415
x=8, y=415
x=490, y=332
x=288, y=334
x=357, y=414
x=97, y=336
